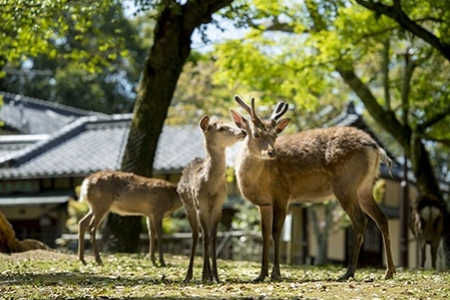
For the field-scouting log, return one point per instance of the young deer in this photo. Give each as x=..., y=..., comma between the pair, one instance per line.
x=126, y=194
x=309, y=166
x=428, y=225
x=203, y=190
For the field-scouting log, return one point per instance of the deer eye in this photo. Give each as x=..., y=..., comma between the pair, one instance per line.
x=255, y=135
x=221, y=129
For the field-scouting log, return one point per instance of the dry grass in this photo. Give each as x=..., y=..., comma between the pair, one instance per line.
x=48, y=275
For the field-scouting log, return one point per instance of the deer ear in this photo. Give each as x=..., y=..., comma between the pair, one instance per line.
x=281, y=125
x=204, y=123
x=239, y=120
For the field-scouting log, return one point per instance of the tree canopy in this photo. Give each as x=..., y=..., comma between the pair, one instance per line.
x=92, y=61
x=35, y=27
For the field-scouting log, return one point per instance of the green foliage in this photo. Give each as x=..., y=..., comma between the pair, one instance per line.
x=1, y=104
x=274, y=63
x=75, y=210
x=99, y=55
x=247, y=218
x=379, y=190
x=33, y=27
x=197, y=94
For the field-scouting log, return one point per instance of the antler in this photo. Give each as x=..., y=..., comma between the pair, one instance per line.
x=251, y=111
x=280, y=110
x=243, y=104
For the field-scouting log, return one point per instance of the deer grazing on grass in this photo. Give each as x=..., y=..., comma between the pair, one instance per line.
x=203, y=190
x=310, y=166
x=428, y=225
x=126, y=194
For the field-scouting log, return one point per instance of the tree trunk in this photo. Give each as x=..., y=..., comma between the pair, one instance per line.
x=9, y=243
x=171, y=48
x=322, y=249
x=322, y=233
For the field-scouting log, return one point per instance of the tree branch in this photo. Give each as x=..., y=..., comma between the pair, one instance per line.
x=445, y=142
x=396, y=13
x=410, y=65
x=436, y=118
x=280, y=26
x=401, y=132
x=385, y=73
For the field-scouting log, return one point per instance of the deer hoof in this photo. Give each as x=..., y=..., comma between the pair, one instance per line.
x=275, y=276
x=215, y=280
x=187, y=279
x=389, y=274
x=260, y=278
x=346, y=276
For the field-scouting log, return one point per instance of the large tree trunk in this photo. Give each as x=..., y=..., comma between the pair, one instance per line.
x=171, y=47
x=322, y=228
x=9, y=243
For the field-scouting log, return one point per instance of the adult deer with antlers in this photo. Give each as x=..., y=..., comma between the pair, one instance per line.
x=308, y=166
x=126, y=194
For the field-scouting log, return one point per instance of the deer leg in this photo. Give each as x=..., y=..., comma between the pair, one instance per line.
x=215, y=224
x=93, y=231
x=151, y=240
x=434, y=249
x=359, y=221
x=371, y=208
x=192, y=218
x=82, y=227
x=152, y=235
x=206, y=236
x=266, y=212
x=423, y=252
x=159, y=236
x=279, y=215
x=96, y=220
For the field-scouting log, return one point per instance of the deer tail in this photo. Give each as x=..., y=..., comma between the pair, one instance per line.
x=385, y=159
x=84, y=190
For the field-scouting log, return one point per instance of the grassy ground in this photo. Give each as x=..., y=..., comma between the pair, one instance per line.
x=45, y=275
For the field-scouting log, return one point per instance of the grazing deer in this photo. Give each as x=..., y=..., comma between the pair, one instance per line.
x=428, y=225
x=309, y=166
x=126, y=194
x=203, y=190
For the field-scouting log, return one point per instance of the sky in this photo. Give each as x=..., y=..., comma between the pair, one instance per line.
x=214, y=34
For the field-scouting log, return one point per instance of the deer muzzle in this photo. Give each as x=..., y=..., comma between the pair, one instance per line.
x=272, y=153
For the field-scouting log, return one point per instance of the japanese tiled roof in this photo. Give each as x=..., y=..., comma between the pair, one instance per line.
x=91, y=143
x=27, y=115
x=95, y=143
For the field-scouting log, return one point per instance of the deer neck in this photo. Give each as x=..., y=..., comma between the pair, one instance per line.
x=215, y=161
x=248, y=165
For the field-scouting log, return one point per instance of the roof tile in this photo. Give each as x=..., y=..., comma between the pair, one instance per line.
x=96, y=143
